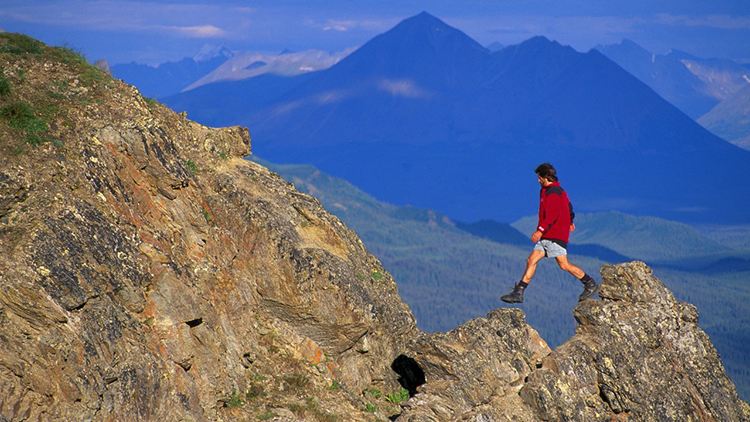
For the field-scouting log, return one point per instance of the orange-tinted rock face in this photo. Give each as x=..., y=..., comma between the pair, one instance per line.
x=149, y=271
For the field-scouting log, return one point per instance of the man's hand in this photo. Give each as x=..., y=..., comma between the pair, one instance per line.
x=572, y=227
x=536, y=236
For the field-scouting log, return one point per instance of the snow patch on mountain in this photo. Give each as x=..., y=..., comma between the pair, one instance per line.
x=249, y=64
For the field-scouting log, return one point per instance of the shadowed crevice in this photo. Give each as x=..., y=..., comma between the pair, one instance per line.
x=410, y=374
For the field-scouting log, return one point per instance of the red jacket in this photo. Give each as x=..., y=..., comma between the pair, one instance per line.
x=555, y=214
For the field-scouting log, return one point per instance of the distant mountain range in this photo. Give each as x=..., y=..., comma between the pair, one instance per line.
x=249, y=64
x=730, y=119
x=424, y=115
x=716, y=92
x=217, y=65
x=171, y=77
x=665, y=74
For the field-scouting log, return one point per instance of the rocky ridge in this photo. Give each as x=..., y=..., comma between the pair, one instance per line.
x=638, y=354
x=150, y=272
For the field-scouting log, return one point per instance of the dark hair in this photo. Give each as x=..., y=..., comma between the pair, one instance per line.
x=547, y=171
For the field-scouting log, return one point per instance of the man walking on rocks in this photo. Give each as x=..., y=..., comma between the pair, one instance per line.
x=551, y=235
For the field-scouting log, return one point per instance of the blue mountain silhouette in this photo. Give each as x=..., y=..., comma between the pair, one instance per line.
x=168, y=78
x=666, y=74
x=424, y=115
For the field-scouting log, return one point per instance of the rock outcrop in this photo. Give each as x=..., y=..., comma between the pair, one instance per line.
x=638, y=354
x=149, y=272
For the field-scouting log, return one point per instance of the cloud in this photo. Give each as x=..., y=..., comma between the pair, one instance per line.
x=330, y=97
x=346, y=25
x=286, y=108
x=243, y=9
x=583, y=31
x=708, y=21
x=603, y=24
x=201, y=31
x=192, y=20
x=402, y=88
x=534, y=25
x=340, y=26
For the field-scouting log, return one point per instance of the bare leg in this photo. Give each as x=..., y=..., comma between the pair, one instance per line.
x=576, y=272
x=531, y=262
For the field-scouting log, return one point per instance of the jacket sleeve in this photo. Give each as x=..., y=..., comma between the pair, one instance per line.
x=551, y=205
x=572, y=213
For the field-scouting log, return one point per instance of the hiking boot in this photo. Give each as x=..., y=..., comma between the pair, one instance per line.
x=516, y=296
x=589, y=289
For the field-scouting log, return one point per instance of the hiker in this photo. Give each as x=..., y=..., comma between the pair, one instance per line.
x=551, y=235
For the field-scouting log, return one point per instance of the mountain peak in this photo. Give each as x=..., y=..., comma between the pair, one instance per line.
x=209, y=52
x=538, y=39
x=425, y=28
x=627, y=42
x=416, y=44
x=422, y=18
x=625, y=47
x=542, y=44
x=425, y=24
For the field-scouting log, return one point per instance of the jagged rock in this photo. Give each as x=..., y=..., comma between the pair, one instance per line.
x=638, y=354
x=149, y=272
x=476, y=369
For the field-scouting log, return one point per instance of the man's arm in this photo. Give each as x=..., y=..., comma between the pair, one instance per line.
x=572, y=213
x=552, y=204
x=572, y=216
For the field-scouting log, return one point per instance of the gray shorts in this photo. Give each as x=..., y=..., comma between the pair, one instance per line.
x=550, y=248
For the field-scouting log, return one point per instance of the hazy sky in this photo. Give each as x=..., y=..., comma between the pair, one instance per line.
x=155, y=31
